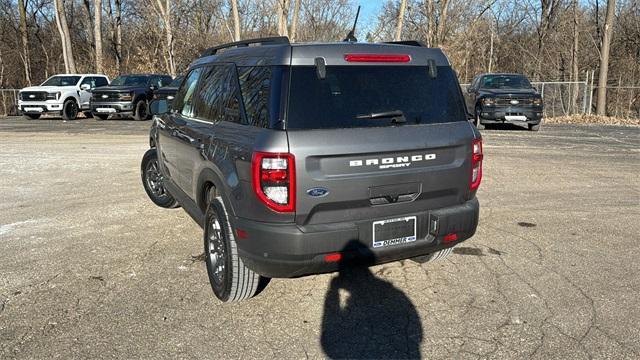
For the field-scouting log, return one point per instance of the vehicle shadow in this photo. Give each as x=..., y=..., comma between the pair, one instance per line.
x=366, y=317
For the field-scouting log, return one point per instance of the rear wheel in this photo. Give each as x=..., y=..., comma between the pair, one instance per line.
x=70, y=110
x=102, y=116
x=32, y=116
x=142, y=111
x=478, y=120
x=434, y=256
x=153, y=181
x=535, y=127
x=230, y=279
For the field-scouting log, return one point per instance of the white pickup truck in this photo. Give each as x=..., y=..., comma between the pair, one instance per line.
x=64, y=94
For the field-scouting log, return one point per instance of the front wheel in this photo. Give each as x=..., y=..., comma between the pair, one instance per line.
x=69, y=110
x=230, y=279
x=142, y=111
x=153, y=181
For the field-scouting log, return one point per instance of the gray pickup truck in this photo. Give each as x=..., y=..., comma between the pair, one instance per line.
x=300, y=159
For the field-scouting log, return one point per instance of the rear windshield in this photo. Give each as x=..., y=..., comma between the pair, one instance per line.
x=349, y=93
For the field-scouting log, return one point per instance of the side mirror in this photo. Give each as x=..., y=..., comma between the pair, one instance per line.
x=85, y=87
x=158, y=107
x=153, y=87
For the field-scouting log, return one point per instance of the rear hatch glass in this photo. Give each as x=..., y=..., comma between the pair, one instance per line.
x=348, y=93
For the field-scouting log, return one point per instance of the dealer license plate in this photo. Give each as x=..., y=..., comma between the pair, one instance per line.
x=394, y=231
x=33, y=109
x=515, y=118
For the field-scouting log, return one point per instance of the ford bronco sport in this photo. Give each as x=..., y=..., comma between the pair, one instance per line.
x=300, y=159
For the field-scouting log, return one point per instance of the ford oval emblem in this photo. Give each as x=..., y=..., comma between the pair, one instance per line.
x=105, y=96
x=515, y=102
x=317, y=192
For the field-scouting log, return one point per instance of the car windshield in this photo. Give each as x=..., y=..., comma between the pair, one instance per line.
x=505, y=82
x=61, y=81
x=371, y=96
x=130, y=80
x=176, y=82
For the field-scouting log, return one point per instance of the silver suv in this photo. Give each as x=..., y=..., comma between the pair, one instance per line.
x=300, y=159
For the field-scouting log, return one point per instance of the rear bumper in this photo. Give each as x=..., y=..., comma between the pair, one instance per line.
x=493, y=115
x=106, y=108
x=287, y=250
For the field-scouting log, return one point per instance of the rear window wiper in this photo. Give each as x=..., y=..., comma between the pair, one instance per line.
x=397, y=116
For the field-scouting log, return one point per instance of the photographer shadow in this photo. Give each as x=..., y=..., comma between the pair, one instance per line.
x=366, y=317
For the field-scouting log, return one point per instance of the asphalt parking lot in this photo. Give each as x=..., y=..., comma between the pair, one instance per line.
x=90, y=268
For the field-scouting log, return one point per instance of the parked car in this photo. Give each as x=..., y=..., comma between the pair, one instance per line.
x=127, y=95
x=300, y=159
x=504, y=98
x=168, y=92
x=63, y=94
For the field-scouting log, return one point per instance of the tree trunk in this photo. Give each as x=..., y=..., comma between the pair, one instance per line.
x=400, y=21
x=115, y=26
x=164, y=8
x=601, y=105
x=431, y=23
x=236, y=20
x=294, y=21
x=442, y=23
x=283, y=16
x=65, y=37
x=97, y=34
x=575, y=72
x=22, y=7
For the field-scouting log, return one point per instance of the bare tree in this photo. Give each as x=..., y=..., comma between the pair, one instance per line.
x=115, y=24
x=294, y=20
x=283, y=16
x=400, y=21
x=65, y=37
x=163, y=8
x=236, y=20
x=22, y=8
x=97, y=33
x=575, y=70
x=601, y=106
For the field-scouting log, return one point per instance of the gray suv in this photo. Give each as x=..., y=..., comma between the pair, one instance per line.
x=300, y=159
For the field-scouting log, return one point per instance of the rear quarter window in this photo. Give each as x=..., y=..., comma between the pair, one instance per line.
x=350, y=91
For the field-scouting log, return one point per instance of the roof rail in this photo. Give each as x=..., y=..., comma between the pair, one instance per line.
x=246, y=43
x=407, y=42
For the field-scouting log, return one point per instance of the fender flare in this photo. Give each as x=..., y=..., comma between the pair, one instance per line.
x=209, y=175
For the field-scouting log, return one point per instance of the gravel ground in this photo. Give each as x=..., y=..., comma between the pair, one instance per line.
x=90, y=268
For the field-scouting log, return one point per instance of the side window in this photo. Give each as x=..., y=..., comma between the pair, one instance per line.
x=255, y=84
x=101, y=81
x=185, y=95
x=89, y=80
x=218, y=98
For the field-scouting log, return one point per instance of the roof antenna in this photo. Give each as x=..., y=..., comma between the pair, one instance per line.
x=351, y=37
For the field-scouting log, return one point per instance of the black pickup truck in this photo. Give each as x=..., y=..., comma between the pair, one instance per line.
x=127, y=95
x=504, y=98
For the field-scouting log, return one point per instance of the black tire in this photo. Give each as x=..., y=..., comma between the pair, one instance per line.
x=102, y=116
x=70, y=110
x=32, y=116
x=478, y=121
x=152, y=180
x=141, y=111
x=535, y=127
x=230, y=279
x=88, y=114
x=434, y=256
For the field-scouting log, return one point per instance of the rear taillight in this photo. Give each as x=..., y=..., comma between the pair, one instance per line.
x=274, y=180
x=476, y=164
x=394, y=58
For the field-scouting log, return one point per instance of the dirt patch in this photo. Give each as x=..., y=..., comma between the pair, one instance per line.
x=592, y=119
